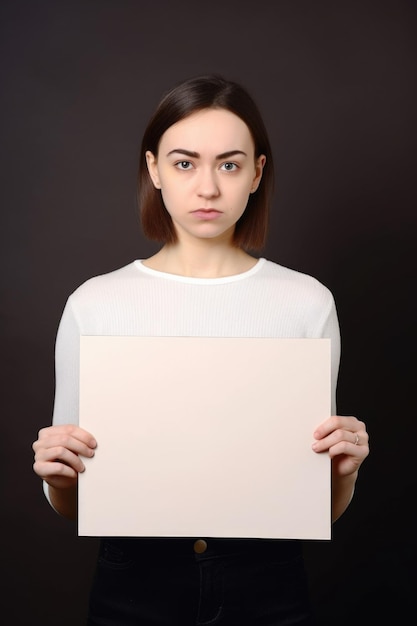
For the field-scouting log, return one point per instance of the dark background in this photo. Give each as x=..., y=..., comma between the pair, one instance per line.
x=336, y=83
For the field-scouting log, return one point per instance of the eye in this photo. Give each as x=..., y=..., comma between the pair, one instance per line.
x=229, y=167
x=183, y=165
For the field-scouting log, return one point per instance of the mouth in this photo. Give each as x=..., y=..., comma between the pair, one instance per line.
x=206, y=214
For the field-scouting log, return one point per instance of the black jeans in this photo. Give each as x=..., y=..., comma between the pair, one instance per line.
x=218, y=582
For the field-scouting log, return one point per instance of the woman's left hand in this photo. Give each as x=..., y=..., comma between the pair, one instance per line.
x=346, y=440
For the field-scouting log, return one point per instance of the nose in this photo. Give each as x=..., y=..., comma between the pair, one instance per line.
x=207, y=183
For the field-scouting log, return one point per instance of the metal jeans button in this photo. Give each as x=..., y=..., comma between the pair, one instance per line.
x=200, y=546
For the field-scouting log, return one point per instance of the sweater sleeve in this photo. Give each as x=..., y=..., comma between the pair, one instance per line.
x=67, y=350
x=329, y=328
x=67, y=354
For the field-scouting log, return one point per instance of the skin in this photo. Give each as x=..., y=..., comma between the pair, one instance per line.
x=192, y=174
x=205, y=161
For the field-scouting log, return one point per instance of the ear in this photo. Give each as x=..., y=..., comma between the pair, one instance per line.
x=259, y=168
x=152, y=164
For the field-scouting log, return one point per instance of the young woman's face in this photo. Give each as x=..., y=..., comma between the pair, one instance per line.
x=206, y=169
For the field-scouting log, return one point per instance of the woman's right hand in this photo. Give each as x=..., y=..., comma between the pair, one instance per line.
x=58, y=451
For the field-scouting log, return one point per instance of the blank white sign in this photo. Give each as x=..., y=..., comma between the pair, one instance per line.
x=205, y=437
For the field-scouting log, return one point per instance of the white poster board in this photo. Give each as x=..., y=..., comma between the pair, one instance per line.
x=204, y=437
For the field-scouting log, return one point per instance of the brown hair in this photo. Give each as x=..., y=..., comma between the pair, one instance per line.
x=193, y=95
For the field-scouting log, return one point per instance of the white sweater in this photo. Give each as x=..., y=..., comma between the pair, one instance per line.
x=267, y=301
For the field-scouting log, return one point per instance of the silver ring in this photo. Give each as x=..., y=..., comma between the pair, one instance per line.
x=357, y=439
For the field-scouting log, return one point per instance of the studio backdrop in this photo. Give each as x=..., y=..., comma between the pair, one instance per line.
x=336, y=85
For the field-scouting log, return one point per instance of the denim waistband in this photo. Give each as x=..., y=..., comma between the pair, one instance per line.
x=163, y=547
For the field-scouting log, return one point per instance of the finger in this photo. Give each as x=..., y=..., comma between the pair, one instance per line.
x=68, y=430
x=47, y=471
x=340, y=436
x=56, y=439
x=61, y=455
x=339, y=422
x=348, y=449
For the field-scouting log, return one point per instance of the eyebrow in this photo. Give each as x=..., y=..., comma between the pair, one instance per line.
x=196, y=155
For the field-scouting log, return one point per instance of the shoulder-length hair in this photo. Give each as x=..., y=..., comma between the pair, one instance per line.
x=195, y=94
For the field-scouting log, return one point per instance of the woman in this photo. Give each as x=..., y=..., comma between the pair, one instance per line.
x=205, y=183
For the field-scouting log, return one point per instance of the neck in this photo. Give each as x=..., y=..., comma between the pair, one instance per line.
x=201, y=258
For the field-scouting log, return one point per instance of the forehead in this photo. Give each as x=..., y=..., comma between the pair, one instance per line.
x=214, y=130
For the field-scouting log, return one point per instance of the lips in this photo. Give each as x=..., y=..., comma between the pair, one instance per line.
x=206, y=214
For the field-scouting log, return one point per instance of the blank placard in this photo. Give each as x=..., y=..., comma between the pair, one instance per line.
x=204, y=437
